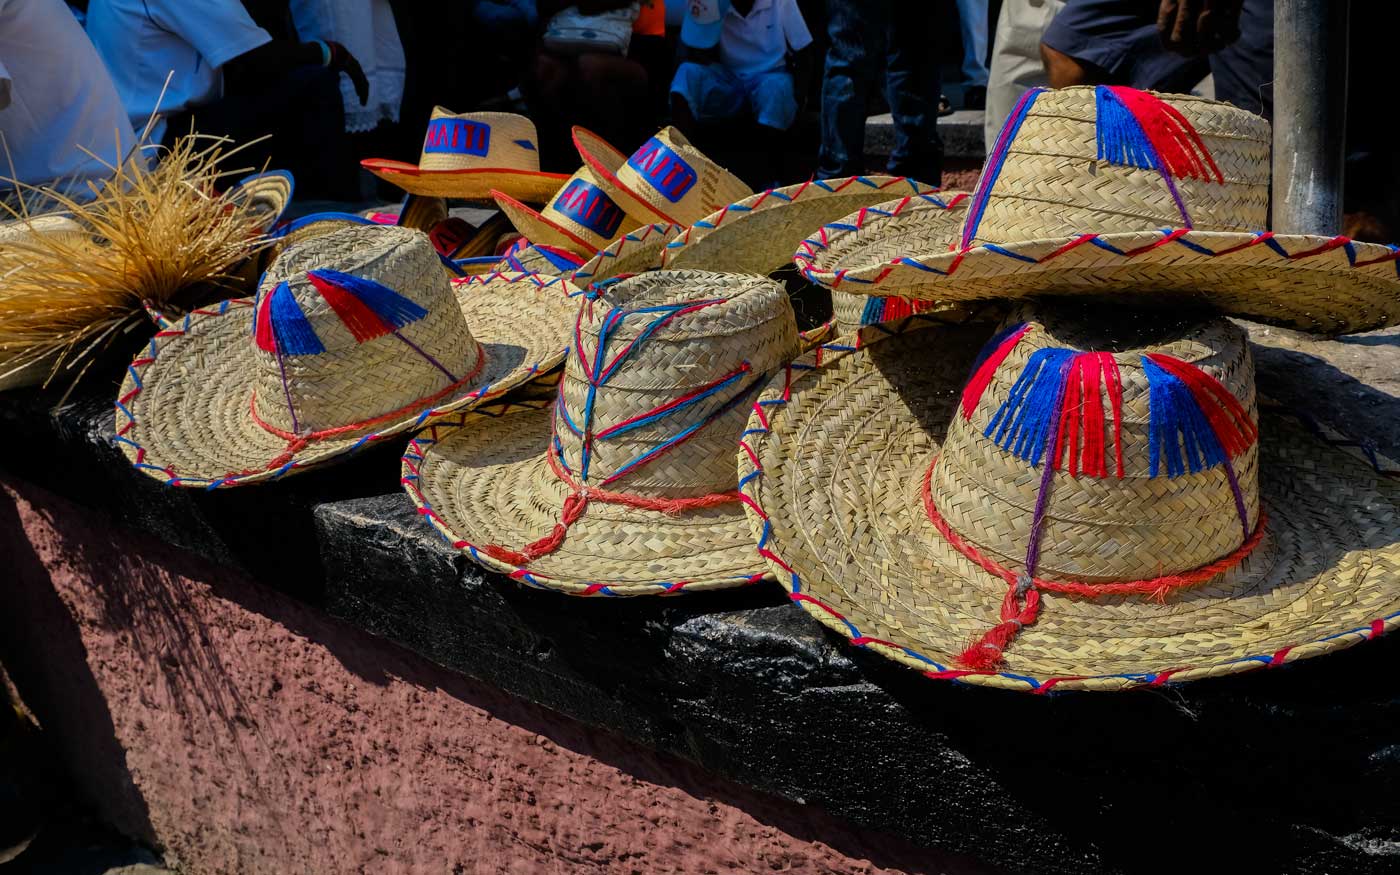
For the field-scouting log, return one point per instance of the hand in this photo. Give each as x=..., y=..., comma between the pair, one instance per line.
x=342, y=61
x=1198, y=27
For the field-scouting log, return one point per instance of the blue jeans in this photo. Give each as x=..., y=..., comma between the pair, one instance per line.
x=716, y=93
x=860, y=31
x=972, y=23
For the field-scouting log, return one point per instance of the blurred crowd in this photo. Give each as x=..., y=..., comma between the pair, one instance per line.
x=777, y=90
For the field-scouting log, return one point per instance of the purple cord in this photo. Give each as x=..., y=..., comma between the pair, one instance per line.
x=287, y=390
x=1176, y=196
x=432, y=361
x=1239, y=497
x=1043, y=497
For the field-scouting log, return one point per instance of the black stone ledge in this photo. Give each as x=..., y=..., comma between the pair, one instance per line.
x=1295, y=769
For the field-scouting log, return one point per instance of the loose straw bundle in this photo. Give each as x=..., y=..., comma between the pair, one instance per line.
x=153, y=236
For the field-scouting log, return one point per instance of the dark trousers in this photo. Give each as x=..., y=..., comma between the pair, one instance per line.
x=902, y=33
x=304, y=119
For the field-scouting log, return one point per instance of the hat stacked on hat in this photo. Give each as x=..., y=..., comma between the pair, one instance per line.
x=626, y=486
x=468, y=155
x=354, y=336
x=1161, y=200
x=1092, y=497
x=667, y=180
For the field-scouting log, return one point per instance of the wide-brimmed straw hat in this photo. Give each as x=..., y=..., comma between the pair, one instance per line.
x=759, y=233
x=581, y=217
x=468, y=155
x=354, y=336
x=636, y=252
x=1093, y=508
x=1108, y=190
x=266, y=194
x=626, y=486
x=667, y=180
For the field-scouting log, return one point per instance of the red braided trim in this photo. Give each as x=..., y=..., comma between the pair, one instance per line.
x=298, y=442
x=986, y=652
x=578, y=500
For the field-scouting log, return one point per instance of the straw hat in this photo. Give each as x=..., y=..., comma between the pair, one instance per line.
x=1112, y=190
x=469, y=155
x=666, y=180
x=627, y=485
x=267, y=195
x=354, y=336
x=628, y=255
x=759, y=233
x=1185, y=531
x=581, y=218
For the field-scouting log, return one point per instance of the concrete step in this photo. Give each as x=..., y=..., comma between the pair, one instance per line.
x=961, y=133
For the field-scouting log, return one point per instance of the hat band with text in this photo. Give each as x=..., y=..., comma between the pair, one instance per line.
x=663, y=169
x=457, y=136
x=587, y=205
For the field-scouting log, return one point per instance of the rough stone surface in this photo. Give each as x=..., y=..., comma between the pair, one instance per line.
x=1292, y=769
x=244, y=733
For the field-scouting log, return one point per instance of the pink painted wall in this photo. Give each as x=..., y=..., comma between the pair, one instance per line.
x=243, y=732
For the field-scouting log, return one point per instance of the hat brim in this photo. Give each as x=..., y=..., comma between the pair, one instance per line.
x=1326, y=285
x=835, y=465
x=481, y=479
x=604, y=160
x=267, y=194
x=475, y=184
x=183, y=415
x=632, y=253
x=759, y=233
x=538, y=229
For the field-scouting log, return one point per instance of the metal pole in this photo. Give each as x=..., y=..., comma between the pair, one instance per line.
x=1310, y=114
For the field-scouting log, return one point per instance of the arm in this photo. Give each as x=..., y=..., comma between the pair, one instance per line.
x=1198, y=27
x=272, y=60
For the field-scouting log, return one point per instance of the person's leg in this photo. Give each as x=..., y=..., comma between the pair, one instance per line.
x=506, y=31
x=611, y=95
x=912, y=84
x=1016, y=62
x=972, y=25
x=702, y=94
x=857, y=33
x=772, y=98
x=1244, y=70
x=548, y=95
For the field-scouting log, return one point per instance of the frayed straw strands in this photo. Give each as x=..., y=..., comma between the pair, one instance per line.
x=152, y=237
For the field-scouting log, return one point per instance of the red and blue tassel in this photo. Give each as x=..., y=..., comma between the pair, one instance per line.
x=1060, y=392
x=367, y=308
x=282, y=327
x=993, y=353
x=1195, y=423
x=1137, y=129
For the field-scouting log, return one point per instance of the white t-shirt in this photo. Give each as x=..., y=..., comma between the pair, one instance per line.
x=55, y=97
x=144, y=41
x=758, y=42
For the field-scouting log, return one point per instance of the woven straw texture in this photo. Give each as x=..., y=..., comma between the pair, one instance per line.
x=511, y=163
x=640, y=197
x=834, y=466
x=552, y=226
x=267, y=193
x=664, y=423
x=1057, y=219
x=628, y=255
x=759, y=233
x=204, y=406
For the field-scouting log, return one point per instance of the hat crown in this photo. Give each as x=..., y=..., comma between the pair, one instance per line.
x=1175, y=407
x=353, y=325
x=678, y=180
x=656, y=389
x=1109, y=159
x=478, y=140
